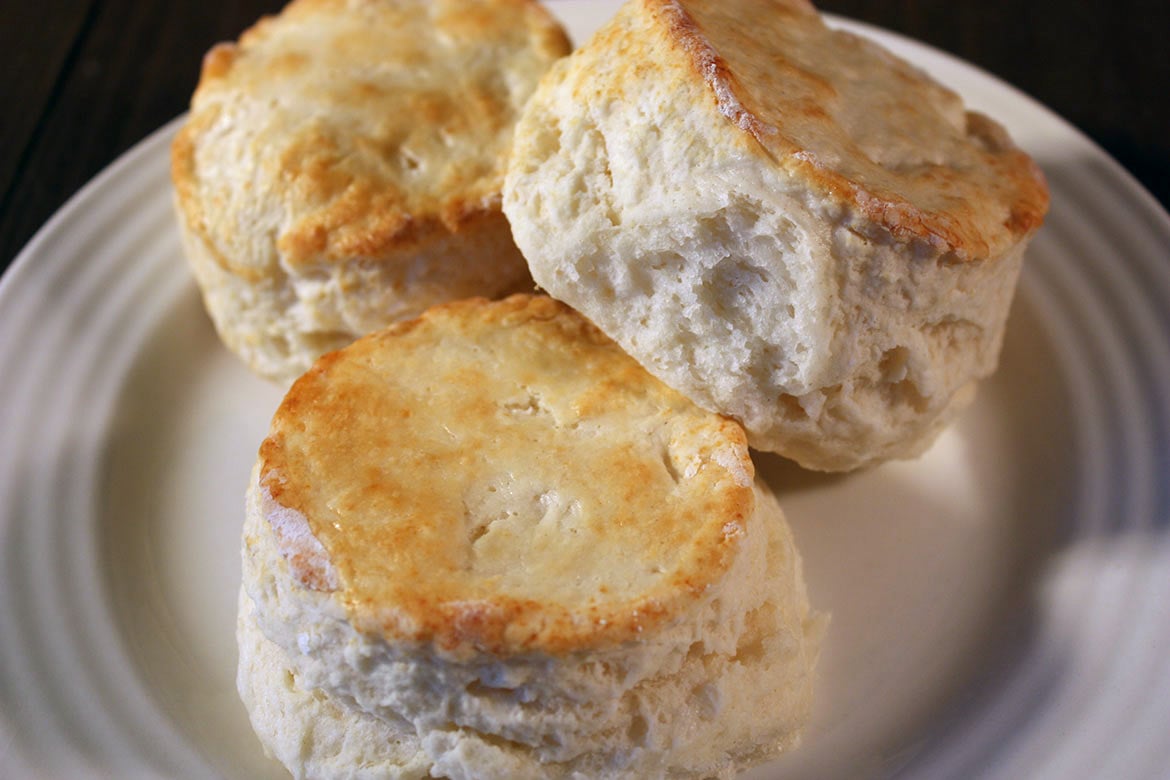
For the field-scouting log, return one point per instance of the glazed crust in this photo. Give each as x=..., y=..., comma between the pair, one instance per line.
x=502, y=478
x=355, y=128
x=851, y=120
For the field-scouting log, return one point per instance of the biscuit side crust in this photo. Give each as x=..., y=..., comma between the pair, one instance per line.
x=722, y=688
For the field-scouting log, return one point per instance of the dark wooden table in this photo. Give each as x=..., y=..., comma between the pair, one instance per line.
x=84, y=80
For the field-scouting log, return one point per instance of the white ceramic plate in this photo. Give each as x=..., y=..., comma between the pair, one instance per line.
x=1001, y=607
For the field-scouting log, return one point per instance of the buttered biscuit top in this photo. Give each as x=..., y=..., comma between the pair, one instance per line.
x=370, y=124
x=502, y=477
x=858, y=123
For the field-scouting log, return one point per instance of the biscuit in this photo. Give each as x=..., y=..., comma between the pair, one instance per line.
x=784, y=222
x=341, y=168
x=344, y=742
x=492, y=534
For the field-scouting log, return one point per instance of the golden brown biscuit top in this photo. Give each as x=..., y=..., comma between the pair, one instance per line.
x=501, y=477
x=856, y=121
x=345, y=128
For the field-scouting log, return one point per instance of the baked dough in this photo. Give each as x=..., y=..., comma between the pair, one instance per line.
x=341, y=168
x=783, y=221
x=494, y=535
